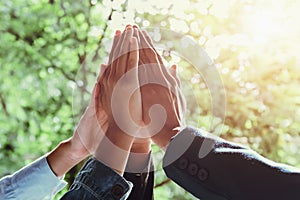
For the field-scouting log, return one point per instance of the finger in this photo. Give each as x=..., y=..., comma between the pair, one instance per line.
x=145, y=39
x=113, y=48
x=150, y=42
x=135, y=26
x=116, y=53
x=173, y=69
x=146, y=45
x=158, y=68
x=96, y=95
x=133, y=54
x=125, y=52
x=148, y=38
x=173, y=72
x=148, y=54
x=96, y=89
x=180, y=107
x=136, y=33
x=127, y=39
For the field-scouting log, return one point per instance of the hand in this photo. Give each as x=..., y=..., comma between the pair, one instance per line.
x=142, y=144
x=87, y=136
x=121, y=100
x=121, y=97
x=159, y=87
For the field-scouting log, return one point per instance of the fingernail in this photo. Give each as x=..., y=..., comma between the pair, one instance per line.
x=135, y=26
x=128, y=27
x=118, y=32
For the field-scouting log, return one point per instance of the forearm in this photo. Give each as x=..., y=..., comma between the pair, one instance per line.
x=114, y=149
x=212, y=168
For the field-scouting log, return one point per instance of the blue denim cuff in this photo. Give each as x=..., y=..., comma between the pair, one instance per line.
x=101, y=181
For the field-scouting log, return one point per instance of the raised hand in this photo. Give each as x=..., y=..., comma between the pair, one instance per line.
x=121, y=100
x=163, y=102
x=120, y=94
x=86, y=138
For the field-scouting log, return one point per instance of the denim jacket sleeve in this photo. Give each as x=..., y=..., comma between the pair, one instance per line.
x=97, y=181
x=34, y=181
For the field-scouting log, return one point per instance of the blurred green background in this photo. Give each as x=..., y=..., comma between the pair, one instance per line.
x=45, y=45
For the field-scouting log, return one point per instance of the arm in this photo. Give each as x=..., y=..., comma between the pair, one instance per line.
x=36, y=178
x=227, y=170
x=139, y=168
x=101, y=177
x=207, y=166
x=43, y=176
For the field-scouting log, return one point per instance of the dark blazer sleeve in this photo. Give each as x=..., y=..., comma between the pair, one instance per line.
x=214, y=169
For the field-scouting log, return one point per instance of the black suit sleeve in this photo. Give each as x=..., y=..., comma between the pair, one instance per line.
x=214, y=169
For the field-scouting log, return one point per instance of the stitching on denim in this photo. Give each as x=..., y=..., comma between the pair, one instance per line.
x=89, y=189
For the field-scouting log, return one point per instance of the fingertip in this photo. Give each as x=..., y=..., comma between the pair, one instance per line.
x=174, y=67
x=173, y=70
x=118, y=33
x=135, y=32
x=128, y=27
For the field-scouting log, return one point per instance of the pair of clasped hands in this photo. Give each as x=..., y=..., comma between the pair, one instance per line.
x=136, y=100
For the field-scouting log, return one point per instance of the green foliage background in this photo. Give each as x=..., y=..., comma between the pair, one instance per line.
x=45, y=45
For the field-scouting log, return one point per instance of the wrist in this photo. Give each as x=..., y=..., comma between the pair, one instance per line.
x=61, y=158
x=163, y=139
x=119, y=138
x=141, y=146
x=76, y=150
x=114, y=149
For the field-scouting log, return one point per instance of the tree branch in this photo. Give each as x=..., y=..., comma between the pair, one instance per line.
x=162, y=183
x=3, y=103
